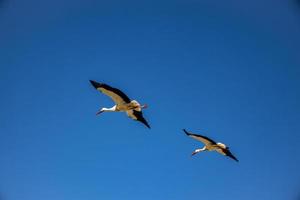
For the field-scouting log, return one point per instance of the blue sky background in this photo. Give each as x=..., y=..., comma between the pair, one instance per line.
x=226, y=69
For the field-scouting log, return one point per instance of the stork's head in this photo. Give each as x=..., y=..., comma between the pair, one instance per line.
x=195, y=152
x=100, y=111
x=199, y=150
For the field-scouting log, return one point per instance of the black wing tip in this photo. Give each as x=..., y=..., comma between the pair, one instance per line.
x=140, y=118
x=95, y=84
x=237, y=160
x=187, y=133
x=233, y=157
x=146, y=124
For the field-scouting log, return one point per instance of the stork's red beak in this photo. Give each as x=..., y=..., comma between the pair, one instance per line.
x=99, y=112
x=145, y=106
x=194, y=153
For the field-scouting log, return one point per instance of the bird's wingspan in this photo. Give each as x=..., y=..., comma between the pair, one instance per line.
x=117, y=95
x=137, y=115
x=200, y=138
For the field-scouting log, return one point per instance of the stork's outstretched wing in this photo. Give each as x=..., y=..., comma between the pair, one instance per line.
x=229, y=154
x=200, y=138
x=226, y=152
x=137, y=115
x=117, y=95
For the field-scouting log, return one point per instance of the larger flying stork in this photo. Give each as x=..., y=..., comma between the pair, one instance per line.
x=122, y=101
x=211, y=145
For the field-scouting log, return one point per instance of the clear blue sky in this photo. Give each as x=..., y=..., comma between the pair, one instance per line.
x=226, y=69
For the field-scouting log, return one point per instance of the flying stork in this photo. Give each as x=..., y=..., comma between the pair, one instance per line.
x=211, y=145
x=122, y=101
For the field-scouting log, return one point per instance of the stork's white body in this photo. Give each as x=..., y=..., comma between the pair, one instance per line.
x=128, y=108
x=124, y=107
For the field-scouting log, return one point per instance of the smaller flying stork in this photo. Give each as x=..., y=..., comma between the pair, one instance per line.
x=211, y=145
x=122, y=101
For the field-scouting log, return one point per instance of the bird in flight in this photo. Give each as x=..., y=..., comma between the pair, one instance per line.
x=122, y=101
x=210, y=145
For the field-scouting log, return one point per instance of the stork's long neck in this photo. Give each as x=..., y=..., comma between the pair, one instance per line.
x=112, y=109
x=199, y=150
